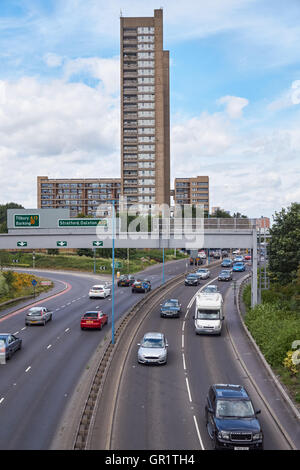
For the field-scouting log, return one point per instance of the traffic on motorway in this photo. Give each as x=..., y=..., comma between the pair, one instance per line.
x=200, y=372
x=157, y=346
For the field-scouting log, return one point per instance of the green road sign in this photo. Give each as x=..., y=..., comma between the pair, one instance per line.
x=98, y=243
x=27, y=220
x=61, y=243
x=117, y=264
x=21, y=243
x=82, y=222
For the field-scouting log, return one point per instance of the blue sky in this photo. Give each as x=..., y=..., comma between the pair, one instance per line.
x=234, y=93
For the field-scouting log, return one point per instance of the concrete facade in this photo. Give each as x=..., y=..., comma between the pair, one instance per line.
x=145, y=111
x=82, y=195
x=192, y=191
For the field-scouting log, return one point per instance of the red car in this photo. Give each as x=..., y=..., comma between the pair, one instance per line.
x=93, y=319
x=247, y=257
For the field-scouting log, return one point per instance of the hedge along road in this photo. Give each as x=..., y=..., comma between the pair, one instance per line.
x=37, y=382
x=163, y=407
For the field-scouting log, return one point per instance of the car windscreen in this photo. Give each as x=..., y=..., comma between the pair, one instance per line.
x=170, y=304
x=3, y=338
x=210, y=290
x=192, y=276
x=204, y=314
x=35, y=311
x=152, y=343
x=91, y=315
x=202, y=271
x=234, y=409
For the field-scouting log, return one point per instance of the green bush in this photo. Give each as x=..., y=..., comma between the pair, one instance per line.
x=274, y=330
x=3, y=286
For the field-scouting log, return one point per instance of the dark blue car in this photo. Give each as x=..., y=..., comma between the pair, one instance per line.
x=226, y=263
x=231, y=420
x=170, y=308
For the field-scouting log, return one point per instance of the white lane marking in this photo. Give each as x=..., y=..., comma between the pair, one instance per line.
x=23, y=328
x=63, y=306
x=68, y=329
x=183, y=360
x=57, y=309
x=16, y=333
x=1, y=400
x=28, y=368
x=198, y=433
x=188, y=389
x=49, y=346
x=69, y=303
x=183, y=325
x=182, y=341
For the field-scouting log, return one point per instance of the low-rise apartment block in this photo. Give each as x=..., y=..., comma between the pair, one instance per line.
x=80, y=196
x=193, y=191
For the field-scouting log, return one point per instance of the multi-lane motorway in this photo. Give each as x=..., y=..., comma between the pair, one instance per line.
x=156, y=407
x=36, y=383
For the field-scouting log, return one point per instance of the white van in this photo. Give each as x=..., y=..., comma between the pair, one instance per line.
x=209, y=314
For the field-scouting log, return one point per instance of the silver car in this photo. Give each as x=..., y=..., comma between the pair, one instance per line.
x=153, y=349
x=38, y=316
x=203, y=273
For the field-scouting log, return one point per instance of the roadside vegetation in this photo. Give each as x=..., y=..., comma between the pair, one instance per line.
x=83, y=260
x=15, y=285
x=275, y=323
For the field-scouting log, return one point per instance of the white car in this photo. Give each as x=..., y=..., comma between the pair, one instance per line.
x=99, y=291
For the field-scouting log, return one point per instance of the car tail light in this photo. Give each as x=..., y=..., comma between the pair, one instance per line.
x=2, y=350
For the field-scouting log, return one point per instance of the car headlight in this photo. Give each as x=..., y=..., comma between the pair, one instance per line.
x=224, y=435
x=257, y=436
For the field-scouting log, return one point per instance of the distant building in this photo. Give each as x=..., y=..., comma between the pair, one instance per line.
x=77, y=194
x=263, y=222
x=193, y=191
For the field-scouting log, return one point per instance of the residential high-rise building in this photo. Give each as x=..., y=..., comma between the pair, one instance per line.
x=80, y=195
x=145, y=113
x=193, y=191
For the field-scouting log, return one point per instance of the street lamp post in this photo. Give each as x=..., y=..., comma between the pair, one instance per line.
x=113, y=275
x=163, y=280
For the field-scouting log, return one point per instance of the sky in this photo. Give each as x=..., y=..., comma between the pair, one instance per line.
x=234, y=95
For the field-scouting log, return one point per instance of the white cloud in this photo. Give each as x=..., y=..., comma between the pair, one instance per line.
x=234, y=105
x=288, y=98
x=254, y=173
x=105, y=70
x=58, y=129
x=53, y=60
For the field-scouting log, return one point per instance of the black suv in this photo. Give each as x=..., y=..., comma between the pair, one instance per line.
x=231, y=421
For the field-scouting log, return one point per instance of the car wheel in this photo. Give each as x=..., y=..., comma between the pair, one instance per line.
x=100, y=326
